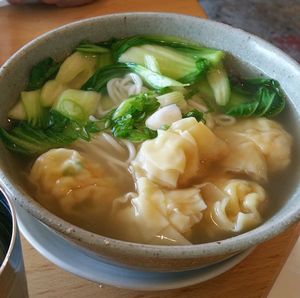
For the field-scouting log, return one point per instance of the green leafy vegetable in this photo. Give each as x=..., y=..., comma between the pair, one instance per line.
x=103, y=54
x=107, y=43
x=203, y=89
x=218, y=80
x=128, y=120
x=192, y=50
x=248, y=98
x=90, y=48
x=17, y=112
x=42, y=72
x=176, y=58
x=104, y=60
x=51, y=91
x=213, y=56
x=174, y=97
x=32, y=106
x=196, y=114
x=256, y=97
x=99, y=80
x=155, y=80
x=170, y=63
x=76, y=69
x=77, y=105
x=205, y=92
x=165, y=64
x=58, y=131
x=151, y=63
x=100, y=124
x=202, y=66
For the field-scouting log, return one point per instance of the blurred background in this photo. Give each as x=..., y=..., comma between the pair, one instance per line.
x=277, y=21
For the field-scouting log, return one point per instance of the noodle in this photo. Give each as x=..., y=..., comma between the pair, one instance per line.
x=116, y=169
x=119, y=89
x=108, y=157
x=198, y=106
x=116, y=91
x=97, y=152
x=96, y=149
x=137, y=87
x=108, y=138
x=209, y=121
x=131, y=150
x=224, y=120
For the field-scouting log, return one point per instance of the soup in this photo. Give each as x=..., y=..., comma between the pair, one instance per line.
x=148, y=139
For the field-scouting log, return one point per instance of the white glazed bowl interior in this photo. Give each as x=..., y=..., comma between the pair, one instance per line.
x=247, y=55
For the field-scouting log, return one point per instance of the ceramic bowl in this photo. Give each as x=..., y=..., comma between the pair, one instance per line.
x=247, y=55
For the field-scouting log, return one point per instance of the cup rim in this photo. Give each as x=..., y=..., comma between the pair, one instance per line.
x=14, y=231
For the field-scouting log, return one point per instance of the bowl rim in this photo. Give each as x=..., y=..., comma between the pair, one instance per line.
x=233, y=244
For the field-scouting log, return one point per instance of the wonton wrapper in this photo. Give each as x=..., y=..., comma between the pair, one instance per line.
x=244, y=157
x=234, y=205
x=66, y=181
x=258, y=146
x=179, y=154
x=159, y=216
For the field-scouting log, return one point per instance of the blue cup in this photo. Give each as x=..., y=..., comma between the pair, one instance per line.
x=12, y=275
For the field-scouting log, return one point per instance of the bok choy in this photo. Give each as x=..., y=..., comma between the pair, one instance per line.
x=219, y=83
x=175, y=58
x=57, y=131
x=256, y=98
x=32, y=106
x=199, y=116
x=91, y=48
x=55, y=109
x=128, y=120
x=77, y=105
x=154, y=80
x=41, y=73
x=103, y=54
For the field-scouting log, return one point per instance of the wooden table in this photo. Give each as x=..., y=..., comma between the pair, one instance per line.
x=23, y=23
x=252, y=278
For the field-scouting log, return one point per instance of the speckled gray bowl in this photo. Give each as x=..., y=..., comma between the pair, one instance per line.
x=247, y=54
